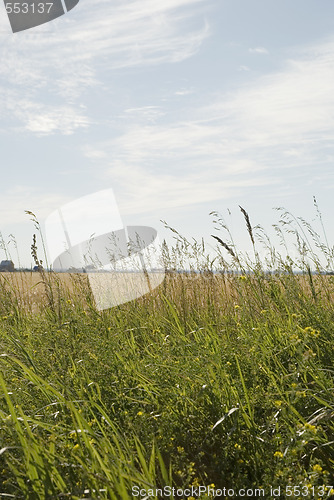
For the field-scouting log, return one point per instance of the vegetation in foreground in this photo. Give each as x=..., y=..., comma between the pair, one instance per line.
x=213, y=379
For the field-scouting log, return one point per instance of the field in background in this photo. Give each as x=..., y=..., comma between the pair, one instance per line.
x=30, y=290
x=223, y=380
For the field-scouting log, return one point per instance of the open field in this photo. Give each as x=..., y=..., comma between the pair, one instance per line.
x=210, y=380
x=30, y=292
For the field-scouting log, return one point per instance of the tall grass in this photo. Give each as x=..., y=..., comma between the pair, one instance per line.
x=213, y=378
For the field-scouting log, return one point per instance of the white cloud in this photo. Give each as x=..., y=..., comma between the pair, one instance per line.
x=57, y=69
x=281, y=124
x=258, y=50
x=38, y=117
x=145, y=114
x=94, y=154
x=184, y=91
x=43, y=121
x=144, y=191
x=292, y=107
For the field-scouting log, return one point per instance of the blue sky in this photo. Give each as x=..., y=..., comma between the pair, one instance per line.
x=180, y=106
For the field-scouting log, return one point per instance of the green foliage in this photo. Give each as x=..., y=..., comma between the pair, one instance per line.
x=223, y=379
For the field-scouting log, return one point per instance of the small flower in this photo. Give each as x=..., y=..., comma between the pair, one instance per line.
x=180, y=449
x=278, y=454
x=140, y=413
x=236, y=306
x=317, y=468
x=309, y=354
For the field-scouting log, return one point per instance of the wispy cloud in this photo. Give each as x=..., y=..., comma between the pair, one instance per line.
x=292, y=107
x=46, y=120
x=184, y=91
x=280, y=126
x=258, y=50
x=243, y=68
x=148, y=114
x=57, y=69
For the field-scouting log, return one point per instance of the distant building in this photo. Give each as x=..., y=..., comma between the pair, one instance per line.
x=7, y=266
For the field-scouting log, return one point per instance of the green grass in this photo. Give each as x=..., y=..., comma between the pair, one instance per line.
x=211, y=379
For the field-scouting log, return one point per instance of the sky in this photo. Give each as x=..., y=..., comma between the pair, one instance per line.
x=182, y=107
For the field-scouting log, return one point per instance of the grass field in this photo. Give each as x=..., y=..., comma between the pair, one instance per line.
x=217, y=380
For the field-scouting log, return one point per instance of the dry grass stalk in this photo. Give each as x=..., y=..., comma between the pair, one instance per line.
x=248, y=224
